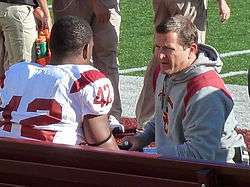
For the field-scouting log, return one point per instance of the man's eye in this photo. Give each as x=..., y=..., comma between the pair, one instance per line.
x=165, y=48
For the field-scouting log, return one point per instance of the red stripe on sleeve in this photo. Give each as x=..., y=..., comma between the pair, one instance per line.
x=85, y=79
x=206, y=79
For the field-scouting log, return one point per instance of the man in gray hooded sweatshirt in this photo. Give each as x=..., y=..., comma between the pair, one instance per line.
x=193, y=116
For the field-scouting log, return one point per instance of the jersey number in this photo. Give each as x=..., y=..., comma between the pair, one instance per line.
x=28, y=125
x=100, y=97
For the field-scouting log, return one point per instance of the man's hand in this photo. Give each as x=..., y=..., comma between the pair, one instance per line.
x=224, y=10
x=101, y=12
x=132, y=143
x=42, y=15
x=46, y=23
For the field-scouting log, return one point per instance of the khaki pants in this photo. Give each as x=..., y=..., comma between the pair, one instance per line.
x=163, y=9
x=106, y=38
x=17, y=34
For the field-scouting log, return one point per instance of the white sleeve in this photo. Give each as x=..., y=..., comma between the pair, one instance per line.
x=98, y=97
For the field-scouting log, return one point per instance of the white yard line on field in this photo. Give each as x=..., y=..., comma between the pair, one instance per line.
x=131, y=70
x=230, y=74
x=234, y=53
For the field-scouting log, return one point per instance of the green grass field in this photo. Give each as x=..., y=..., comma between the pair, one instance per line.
x=136, y=39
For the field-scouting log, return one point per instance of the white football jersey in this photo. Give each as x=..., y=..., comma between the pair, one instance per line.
x=49, y=103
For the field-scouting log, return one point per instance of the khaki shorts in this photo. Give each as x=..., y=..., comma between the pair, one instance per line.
x=17, y=34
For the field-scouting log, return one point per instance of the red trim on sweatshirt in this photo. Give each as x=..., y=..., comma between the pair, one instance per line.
x=203, y=80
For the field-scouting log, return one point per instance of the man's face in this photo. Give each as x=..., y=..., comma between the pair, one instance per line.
x=172, y=56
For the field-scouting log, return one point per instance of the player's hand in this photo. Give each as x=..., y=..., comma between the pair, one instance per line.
x=101, y=12
x=131, y=143
x=224, y=10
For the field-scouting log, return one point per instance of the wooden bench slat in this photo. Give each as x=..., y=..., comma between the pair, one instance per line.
x=31, y=171
x=77, y=164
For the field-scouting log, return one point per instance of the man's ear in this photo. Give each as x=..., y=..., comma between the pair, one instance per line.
x=193, y=51
x=85, y=51
x=194, y=48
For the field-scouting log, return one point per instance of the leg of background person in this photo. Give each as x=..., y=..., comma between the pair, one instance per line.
x=146, y=102
x=201, y=19
x=145, y=105
x=71, y=7
x=106, y=38
x=197, y=11
x=20, y=34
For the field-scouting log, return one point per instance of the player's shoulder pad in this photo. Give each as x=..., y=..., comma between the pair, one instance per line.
x=85, y=79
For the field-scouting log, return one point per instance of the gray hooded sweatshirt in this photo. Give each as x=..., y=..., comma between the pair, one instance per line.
x=194, y=116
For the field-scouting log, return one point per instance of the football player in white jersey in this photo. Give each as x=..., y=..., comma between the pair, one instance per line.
x=65, y=102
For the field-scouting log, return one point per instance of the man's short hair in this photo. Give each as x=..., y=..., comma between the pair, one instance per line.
x=183, y=26
x=69, y=35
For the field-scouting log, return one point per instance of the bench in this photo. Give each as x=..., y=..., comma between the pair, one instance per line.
x=29, y=163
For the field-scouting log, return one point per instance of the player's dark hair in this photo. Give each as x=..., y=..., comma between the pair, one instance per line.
x=69, y=35
x=183, y=26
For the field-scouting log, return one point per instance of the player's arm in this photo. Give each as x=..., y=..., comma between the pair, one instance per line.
x=97, y=132
x=96, y=102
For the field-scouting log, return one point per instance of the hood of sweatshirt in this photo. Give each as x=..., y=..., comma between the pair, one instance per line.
x=208, y=59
